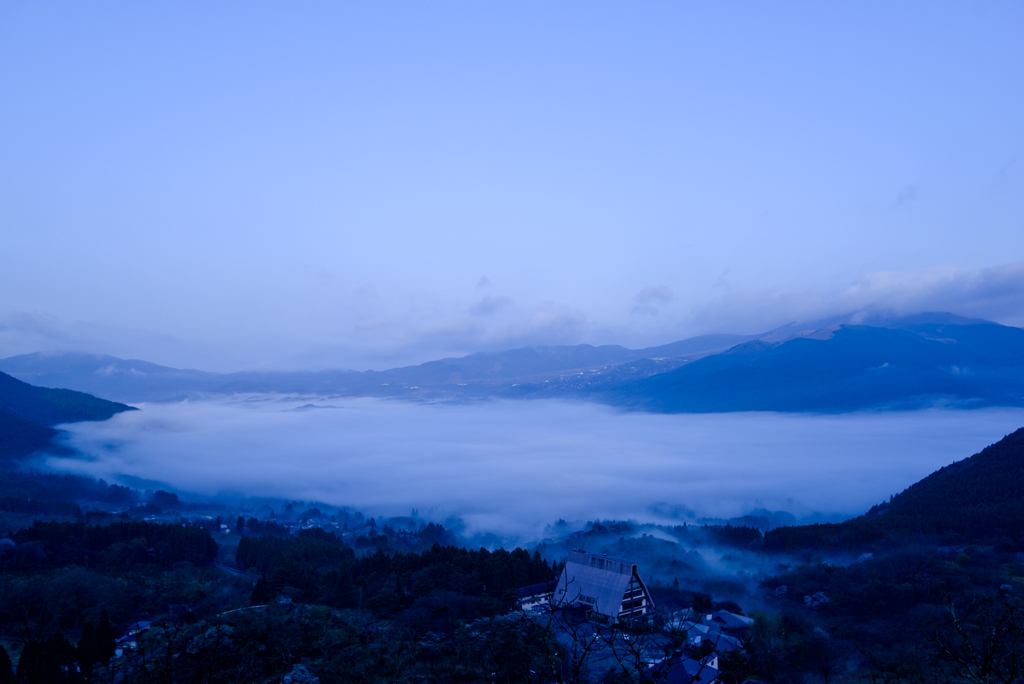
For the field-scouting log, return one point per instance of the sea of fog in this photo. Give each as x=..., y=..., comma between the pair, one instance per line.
x=511, y=467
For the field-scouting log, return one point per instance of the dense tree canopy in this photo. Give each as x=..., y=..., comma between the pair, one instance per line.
x=978, y=498
x=119, y=543
x=322, y=570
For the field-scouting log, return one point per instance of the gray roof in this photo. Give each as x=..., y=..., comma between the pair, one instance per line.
x=732, y=620
x=536, y=589
x=686, y=670
x=603, y=579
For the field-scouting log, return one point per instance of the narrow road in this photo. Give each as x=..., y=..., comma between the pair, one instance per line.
x=230, y=571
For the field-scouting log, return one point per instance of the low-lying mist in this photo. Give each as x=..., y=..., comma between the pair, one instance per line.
x=510, y=468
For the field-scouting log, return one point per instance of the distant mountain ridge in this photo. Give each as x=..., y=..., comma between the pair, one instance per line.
x=845, y=368
x=108, y=376
x=134, y=380
x=845, y=363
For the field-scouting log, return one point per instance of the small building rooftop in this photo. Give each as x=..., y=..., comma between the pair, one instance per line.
x=534, y=589
x=622, y=566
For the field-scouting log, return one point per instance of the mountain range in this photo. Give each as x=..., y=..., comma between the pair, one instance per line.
x=473, y=375
x=847, y=367
x=842, y=364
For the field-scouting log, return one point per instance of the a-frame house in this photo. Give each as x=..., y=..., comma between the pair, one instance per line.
x=607, y=587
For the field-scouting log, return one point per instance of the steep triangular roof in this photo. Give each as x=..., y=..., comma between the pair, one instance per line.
x=596, y=581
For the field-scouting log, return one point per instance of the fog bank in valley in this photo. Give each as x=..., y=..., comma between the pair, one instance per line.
x=512, y=467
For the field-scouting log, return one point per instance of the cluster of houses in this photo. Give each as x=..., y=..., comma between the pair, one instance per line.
x=130, y=640
x=717, y=632
x=611, y=591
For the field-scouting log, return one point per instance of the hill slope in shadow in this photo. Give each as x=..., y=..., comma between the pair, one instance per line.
x=977, y=499
x=27, y=414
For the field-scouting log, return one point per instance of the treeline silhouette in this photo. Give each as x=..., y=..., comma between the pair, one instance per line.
x=14, y=504
x=28, y=485
x=261, y=527
x=58, y=544
x=321, y=570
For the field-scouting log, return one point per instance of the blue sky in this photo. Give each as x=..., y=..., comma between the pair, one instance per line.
x=257, y=185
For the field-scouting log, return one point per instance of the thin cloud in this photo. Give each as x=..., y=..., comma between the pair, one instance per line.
x=1009, y=175
x=907, y=195
x=456, y=328
x=654, y=294
x=648, y=299
x=489, y=305
x=365, y=293
x=34, y=324
x=995, y=294
x=379, y=330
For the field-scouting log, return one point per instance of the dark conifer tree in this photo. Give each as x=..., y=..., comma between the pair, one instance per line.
x=30, y=664
x=261, y=593
x=106, y=639
x=60, y=659
x=88, y=646
x=6, y=670
x=48, y=662
x=399, y=587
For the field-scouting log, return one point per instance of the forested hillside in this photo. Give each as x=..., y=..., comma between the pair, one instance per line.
x=48, y=406
x=978, y=498
x=20, y=437
x=56, y=544
x=27, y=412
